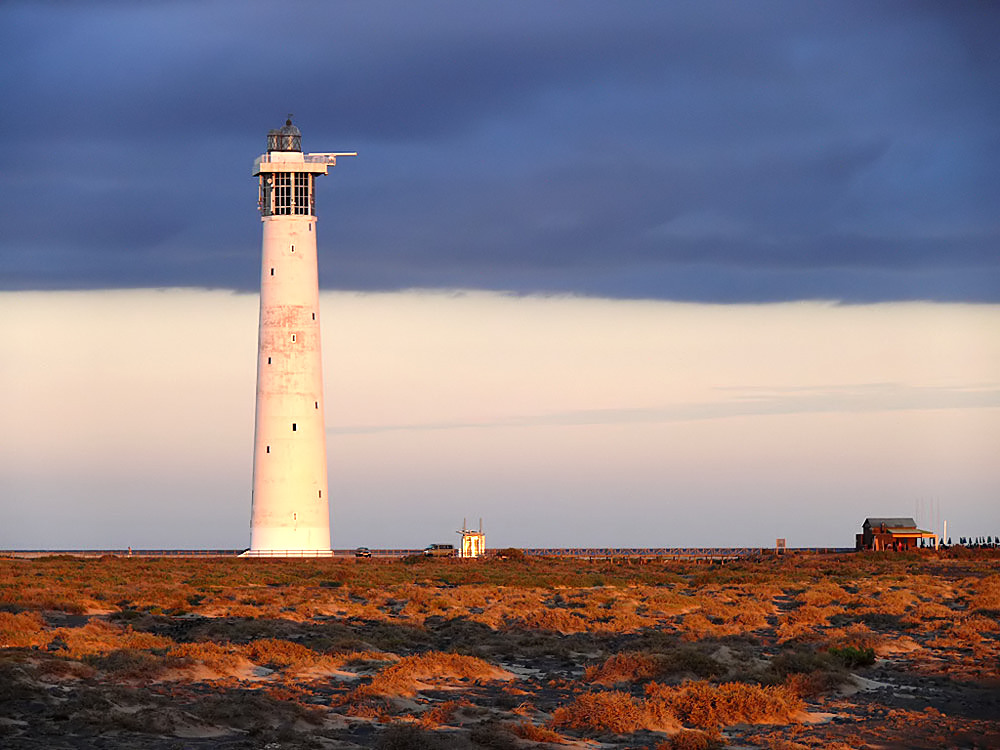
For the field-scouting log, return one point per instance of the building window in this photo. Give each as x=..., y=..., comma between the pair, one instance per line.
x=269, y=449
x=269, y=360
x=293, y=338
x=282, y=193
x=272, y=272
x=295, y=427
x=293, y=248
x=316, y=404
x=321, y=493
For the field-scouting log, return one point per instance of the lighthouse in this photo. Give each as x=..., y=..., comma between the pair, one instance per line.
x=290, y=505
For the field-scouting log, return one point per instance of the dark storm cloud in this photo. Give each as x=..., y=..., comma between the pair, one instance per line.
x=703, y=151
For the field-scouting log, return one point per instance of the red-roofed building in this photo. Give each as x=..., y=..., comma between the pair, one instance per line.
x=892, y=534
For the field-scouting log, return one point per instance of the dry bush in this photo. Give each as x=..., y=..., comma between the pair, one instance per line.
x=611, y=711
x=621, y=621
x=733, y=613
x=400, y=736
x=370, y=707
x=965, y=633
x=689, y=659
x=752, y=615
x=856, y=634
x=276, y=653
x=22, y=630
x=64, y=669
x=805, y=622
x=442, y=713
x=97, y=637
x=852, y=656
x=628, y=666
x=220, y=658
x=986, y=594
x=557, y=620
x=815, y=683
x=893, y=602
x=48, y=596
x=931, y=611
x=690, y=739
x=404, y=677
x=360, y=659
x=252, y=711
x=697, y=627
x=705, y=706
x=528, y=731
x=824, y=593
x=493, y=734
x=128, y=664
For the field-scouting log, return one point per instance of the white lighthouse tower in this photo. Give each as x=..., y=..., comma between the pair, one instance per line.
x=290, y=511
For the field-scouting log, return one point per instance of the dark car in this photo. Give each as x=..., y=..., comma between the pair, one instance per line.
x=362, y=552
x=440, y=550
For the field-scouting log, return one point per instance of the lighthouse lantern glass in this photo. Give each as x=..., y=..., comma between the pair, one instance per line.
x=302, y=180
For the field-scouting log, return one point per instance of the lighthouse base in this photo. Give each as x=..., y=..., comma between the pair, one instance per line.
x=288, y=553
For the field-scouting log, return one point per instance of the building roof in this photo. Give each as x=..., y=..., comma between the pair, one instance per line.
x=896, y=524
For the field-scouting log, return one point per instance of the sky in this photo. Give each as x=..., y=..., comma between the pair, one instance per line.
x=687, y=273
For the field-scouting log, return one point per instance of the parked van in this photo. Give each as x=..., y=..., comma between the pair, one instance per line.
x=440, y=550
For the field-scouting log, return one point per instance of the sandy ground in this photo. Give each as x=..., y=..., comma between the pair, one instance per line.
x=478, y=664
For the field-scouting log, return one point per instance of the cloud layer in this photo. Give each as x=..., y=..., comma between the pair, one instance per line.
x=694, y=151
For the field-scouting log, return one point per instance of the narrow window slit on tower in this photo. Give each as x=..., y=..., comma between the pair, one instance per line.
x=294, y=427
x=272, y=272
x=269, y=449
x=293, y=338
x=293, y=248
x=314, y=316
x=269, y=360
x=316, y=404
x=321, y=493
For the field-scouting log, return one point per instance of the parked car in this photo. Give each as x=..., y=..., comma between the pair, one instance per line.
x=362, y=552
x=440, y=550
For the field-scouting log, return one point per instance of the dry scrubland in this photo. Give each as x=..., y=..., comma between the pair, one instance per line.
x=797, y=652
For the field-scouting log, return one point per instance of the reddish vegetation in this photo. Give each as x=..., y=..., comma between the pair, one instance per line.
x=902, y=649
